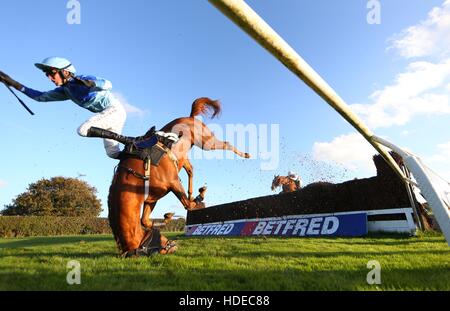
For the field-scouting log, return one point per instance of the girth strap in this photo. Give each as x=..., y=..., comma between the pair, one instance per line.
x=147, y=169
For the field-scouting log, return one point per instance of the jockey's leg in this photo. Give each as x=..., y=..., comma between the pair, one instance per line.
x=112, y=148
x=112, y=119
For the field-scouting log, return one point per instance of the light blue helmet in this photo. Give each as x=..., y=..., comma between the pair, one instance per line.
x=57, y=63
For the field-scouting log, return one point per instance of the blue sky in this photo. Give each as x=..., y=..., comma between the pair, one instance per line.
x=161, y=55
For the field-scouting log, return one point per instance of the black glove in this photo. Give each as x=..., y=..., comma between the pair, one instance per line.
x=9, y=81
x=3, y=76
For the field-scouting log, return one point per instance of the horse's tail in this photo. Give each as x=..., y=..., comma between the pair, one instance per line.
x=204, y=105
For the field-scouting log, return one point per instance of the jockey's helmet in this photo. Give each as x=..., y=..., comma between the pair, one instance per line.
x=56, y=63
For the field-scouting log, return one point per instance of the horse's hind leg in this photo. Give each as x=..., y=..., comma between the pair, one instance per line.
x=210, y=142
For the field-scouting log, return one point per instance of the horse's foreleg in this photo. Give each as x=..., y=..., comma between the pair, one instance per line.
x=145, y=219
x=178, y=190
x=190, y=172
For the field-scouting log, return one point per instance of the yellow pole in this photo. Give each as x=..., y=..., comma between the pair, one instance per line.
x=249, y=21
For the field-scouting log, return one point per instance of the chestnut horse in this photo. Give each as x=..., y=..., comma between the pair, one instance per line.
x=127, y=194
x=287, y=184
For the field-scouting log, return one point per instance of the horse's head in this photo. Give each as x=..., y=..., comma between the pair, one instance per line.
x=126, y=195
x=275, y=182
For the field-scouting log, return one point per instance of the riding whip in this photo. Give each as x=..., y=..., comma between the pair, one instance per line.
x=20, y=101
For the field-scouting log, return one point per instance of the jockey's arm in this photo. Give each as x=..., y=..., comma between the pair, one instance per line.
x=57, y=94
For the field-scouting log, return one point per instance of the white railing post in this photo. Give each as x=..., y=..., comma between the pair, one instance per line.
x=249, y=21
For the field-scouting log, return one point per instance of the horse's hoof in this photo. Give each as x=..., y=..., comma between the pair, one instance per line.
x=192, y=206
x=200, y=205
x=170, y=248
x=247, y=155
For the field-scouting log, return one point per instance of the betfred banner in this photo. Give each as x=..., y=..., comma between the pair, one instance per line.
x=301, y=226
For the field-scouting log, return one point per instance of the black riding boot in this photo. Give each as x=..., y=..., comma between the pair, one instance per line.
x=102, y=133
x=147, y=135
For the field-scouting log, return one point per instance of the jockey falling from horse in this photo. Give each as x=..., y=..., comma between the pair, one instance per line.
x=89, y=92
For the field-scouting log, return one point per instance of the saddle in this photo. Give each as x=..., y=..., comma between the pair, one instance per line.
x=150, y=147
x=146, y=147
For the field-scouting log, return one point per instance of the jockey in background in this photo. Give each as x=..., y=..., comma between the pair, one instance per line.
x=89, y=92
x=296, y=178
x=201, y=196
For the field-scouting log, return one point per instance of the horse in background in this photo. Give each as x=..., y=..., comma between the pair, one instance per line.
x=287, y=184
x=133, y=233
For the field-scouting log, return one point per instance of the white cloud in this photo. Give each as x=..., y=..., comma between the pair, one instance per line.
x=443, y=155
x=2, y=183
x=130, y=109
x=429, y=37
x=351, y=150
x=408, y=132
x=439, y=161
x=421, y=89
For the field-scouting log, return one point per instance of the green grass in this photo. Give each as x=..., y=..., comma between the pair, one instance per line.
x=407, y=263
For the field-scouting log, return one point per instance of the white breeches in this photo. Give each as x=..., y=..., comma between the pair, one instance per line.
x=112, y=119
